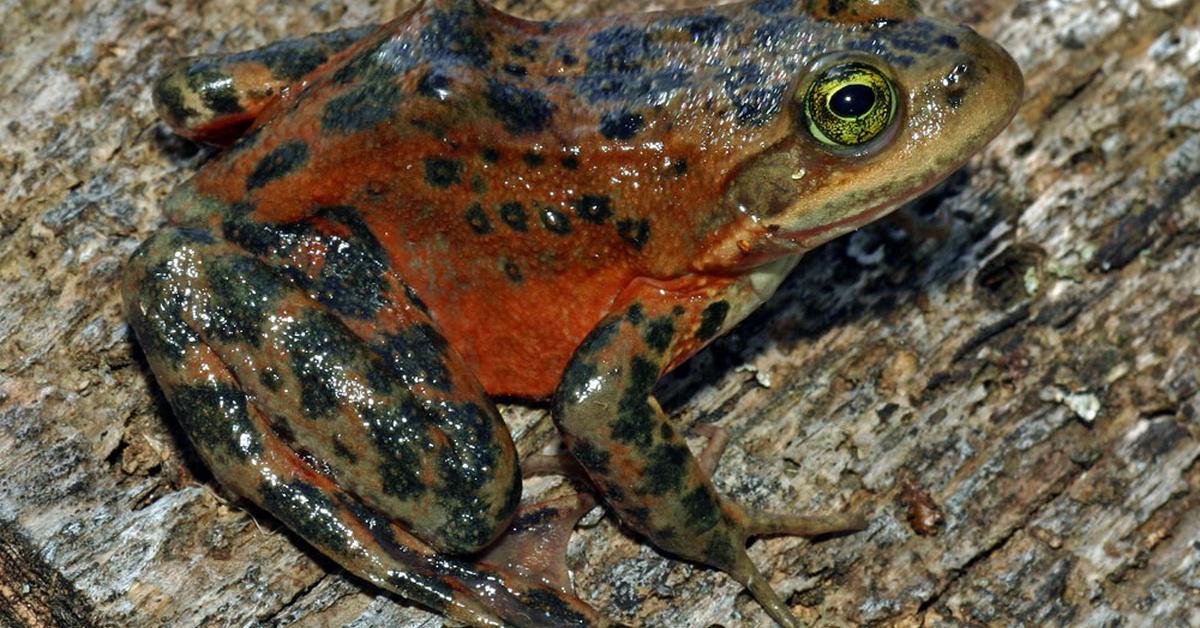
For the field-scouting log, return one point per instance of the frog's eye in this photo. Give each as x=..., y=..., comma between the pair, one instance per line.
x=850, y=104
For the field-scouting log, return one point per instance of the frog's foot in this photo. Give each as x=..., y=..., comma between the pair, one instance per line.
x=536, y=542
x=539, y=465
x=215, y=98
x=718, y=439
x=641, y=463
x=771, y=524
x=330, y=400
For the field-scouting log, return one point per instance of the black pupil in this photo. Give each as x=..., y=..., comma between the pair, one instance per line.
x=852, y=101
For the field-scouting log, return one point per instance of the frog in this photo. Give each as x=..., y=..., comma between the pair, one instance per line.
x=412, y=220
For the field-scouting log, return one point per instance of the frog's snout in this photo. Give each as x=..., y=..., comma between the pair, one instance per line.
x=990, y=77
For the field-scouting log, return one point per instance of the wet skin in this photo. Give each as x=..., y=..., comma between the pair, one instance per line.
x=460, y=204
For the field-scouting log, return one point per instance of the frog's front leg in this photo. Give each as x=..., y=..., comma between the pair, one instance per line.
x=214, y=98
x=638, y=460
x=314, y=384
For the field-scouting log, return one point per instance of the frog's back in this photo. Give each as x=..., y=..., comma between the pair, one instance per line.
x=521, y=174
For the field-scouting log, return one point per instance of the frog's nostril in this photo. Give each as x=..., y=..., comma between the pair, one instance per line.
x=956, y=82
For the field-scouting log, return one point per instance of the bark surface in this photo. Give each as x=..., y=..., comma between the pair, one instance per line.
x=1014, y=405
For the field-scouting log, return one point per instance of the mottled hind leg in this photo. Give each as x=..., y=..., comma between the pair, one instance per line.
x=640, y=462
x=329, y=399
x=214, y=98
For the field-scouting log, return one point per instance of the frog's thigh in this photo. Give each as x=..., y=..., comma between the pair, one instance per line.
x=348, y=373
x=640, y=463
x=213, y=98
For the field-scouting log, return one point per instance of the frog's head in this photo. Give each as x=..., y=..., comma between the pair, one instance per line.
x=895, y=102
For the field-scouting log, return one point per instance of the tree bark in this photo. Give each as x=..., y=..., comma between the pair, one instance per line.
x=1014, y=405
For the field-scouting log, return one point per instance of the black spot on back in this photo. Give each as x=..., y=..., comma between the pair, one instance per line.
x=555, y=221
x=513, y=271
x=755, y=99
x=362, y=108
x=513, y=215
x=594, y=209
x=478, y=219
x=621, y=125
x=635, y=232
x=285, y=159
x=434, y=85
x=534, y=159
x=458, y=34
x=443, y=173
x=520, y=110
x=621, y=49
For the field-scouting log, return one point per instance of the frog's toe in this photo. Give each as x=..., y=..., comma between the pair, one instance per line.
x=780, y=524
x=536, y=542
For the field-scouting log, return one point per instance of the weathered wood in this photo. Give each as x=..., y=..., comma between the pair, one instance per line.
x=1033, y=376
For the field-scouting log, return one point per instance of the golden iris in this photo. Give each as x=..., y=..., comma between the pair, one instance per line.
x=850, y=104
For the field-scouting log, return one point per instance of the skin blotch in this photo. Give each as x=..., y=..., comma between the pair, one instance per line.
x=591, y=457
x=665, y=471
x=216, y=415
x=434, y=85
x=702, y=509
x=288, y=158
x=635, y=416
x=478, y=219
x=521, y=110
x=513, y=271
x=534, y=160
x=659, y=334
x=594, y=209
x=635, y=232
x=443, y=173
x=621, y=125
x=712, y=319
x=307, y=510
x=363, y=107
x=555, y=221
x=513, y=215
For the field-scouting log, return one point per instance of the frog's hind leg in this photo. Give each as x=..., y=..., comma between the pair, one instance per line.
x=215, y=98
x=640, y=462
x=314, y=385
